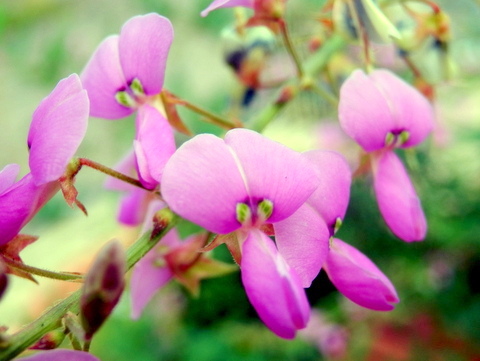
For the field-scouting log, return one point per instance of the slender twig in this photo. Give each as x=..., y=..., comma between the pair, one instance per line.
x=209, y=116
x=111, y=172
x=290, y=48
x=62, y=276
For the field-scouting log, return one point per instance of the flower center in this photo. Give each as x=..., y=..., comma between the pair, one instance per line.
x=132, y=96
x=249, y=216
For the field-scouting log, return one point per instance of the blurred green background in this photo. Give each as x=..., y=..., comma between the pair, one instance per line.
x=438, y=318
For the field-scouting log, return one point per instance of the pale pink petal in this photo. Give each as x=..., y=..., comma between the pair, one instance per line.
x=133, y=207
x=125, y=166
x=226, y=4
x=331, y=197
x=7, y=176
x=358, y=278
x=60, y=355
x=364, y=113
x=143, y=46
x=102, y=78
x=57, y=129
x=202, y=183
x=154, y=145
x=302, y=239
x=411, y=110
x=19, y=203
x=273, y=288
x=272, y=171
x=397, y=199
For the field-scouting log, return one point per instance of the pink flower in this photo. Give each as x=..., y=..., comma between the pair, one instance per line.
x=126, y=73
x=127, y=70
x=217, y=4
x=58, y=126
x=381, y=112
x=358, y=278
x=60, y=355
x=241, y=184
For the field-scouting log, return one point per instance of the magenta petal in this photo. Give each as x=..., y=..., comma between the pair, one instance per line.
x=398, y=202
x=226, y=4
x=202, y=183
x=7, y=176
x=19, y=203
x=364, y=112
x=143, y=45
x=358, y=278
x=154, y=145
x=273, y=171
x=60, y=355
x=411, y=110
x=102, y=78
x=150, y=274
x=272, y=287
x=58, y=127
x=302, y=239
x=331, y=197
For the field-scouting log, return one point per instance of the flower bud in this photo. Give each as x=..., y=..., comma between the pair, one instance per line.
x=50, y=340
x=104, y=284
x=3, y=278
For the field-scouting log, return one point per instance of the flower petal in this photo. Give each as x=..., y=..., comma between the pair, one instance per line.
x=302, y=239
x=150, y=274
x=272, y=287
x=58, y=127
x=60, y=355
x=143, y=45
x=398, y=202
x=20, y=203
x=358, y=278
x=373, y=105
x=202, y=183
x=364, y=112
x=331, y=197
x=273, y=171
x=226, y=4
x=133, y=207
x=102, y=78
x=154, y=145
x=408, y=106
x=7, y=176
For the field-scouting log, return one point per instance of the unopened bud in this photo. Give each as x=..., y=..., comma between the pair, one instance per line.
x=161, y=220
x=49, y=341
x=104, y=284
x=3, y=278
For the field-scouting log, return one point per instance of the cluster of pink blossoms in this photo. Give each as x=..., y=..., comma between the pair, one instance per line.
x=277, y=210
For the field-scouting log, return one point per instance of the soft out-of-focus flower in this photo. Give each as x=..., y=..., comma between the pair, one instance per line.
x=370, y=18
x=330, y=338
x=382, y=112
x=171, y=259
x=266, y=12
x=60, y=355
x=358, y=278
